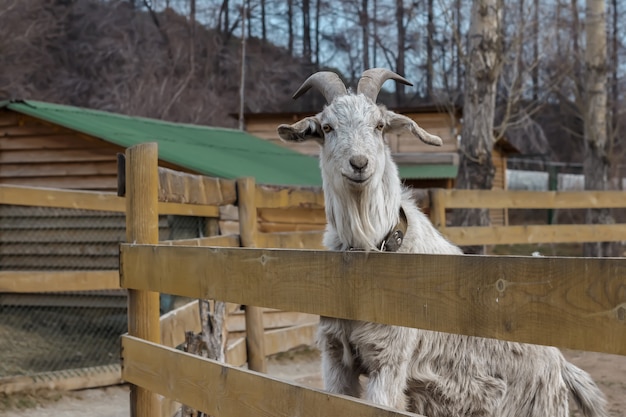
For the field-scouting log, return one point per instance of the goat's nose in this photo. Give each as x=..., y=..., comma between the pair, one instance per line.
x=358, y=162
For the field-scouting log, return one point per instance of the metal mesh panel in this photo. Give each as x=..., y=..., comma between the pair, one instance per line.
x=61, y=330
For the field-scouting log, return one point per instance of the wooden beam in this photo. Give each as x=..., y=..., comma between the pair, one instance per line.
x=55, y=281
x=69, y=380
x=576, y=303
x=90, y=200
x=293, y=240
x=533, y=199
x=421, y=158
x=248, y=231
x=225, y=391
x=557, y=233
x=175, y=323
x=269, y=196
x=142, y=226
x=52, y=197
x=281, y=340
x=231, y=241
x=236, y=354
x=181, y=187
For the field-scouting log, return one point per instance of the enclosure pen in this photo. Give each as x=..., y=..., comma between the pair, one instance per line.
x=577, y=303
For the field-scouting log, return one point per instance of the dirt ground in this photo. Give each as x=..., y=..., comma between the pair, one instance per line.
x=609, y=372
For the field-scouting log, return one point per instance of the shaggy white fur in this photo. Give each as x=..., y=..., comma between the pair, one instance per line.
x=435, y=374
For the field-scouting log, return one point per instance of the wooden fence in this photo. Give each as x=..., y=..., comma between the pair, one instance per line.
x=441, y=200
x=275, y=216
x=567, y=302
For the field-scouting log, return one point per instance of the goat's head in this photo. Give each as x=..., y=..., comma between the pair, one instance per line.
x=352, y=127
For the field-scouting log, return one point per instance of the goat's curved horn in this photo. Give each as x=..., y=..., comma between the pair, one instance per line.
x=373, y=79
x=327, y=82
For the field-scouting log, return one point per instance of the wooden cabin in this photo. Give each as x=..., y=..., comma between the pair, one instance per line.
x=49, y=145
x=420, y=165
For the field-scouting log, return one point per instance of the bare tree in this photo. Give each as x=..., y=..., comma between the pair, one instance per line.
x=484, y=60
x=596, y=161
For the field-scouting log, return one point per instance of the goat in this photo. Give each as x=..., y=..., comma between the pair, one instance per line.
x=367, y=208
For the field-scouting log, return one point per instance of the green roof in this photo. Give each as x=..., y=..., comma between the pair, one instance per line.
x=212, y=151
x=428, y=171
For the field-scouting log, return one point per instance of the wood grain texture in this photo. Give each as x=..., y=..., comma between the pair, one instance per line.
x=224, y=391
x=89, y=200
x=55, y=281
x=532, y=199
x=142, y=226
x=556, y=233
x=289, y=197
x=181, y=187
x=75, y=379
x=577, y=303
x=248, y=232
x=175, y=323
x=292, y=240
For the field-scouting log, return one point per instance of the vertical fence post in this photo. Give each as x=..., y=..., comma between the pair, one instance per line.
x=142, y=227
x=438, y=208
x=248, y=230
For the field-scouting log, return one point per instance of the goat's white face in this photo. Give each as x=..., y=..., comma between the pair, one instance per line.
x=353, y=148
x=351, y=132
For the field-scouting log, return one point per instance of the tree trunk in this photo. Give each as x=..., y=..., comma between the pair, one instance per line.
x=483, y=64
x=306, y=30
x=290, y=26
x=365, y=33
x=400, y=57
x=596, y=160
x=430, y=72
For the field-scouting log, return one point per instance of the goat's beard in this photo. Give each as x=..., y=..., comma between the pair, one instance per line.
x=362, y=216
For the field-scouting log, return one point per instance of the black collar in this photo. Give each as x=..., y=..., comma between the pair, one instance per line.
x=393, y=240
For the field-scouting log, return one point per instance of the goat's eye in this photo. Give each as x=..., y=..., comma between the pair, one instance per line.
x=380, y=126
x=327, y=128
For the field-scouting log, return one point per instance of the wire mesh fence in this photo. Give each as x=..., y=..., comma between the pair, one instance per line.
x=60, y=330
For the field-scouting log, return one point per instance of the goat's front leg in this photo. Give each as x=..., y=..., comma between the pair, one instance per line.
x=387, y=361
x=338, y=370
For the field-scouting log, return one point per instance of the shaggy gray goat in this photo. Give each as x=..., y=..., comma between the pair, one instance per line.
x=435, y=374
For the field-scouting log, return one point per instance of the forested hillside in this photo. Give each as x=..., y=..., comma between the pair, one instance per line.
x=180, y=60
x=111, y=56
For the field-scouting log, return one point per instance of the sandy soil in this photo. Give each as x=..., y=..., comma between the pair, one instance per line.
x=609, y=371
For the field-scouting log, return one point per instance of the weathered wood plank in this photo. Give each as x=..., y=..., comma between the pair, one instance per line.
x=225, y=391
x=293, y=215
x=90, y=200
x=290, y=227
x=55, y=155
x=231, y=241
x=181, y=187
x=558, y=233
x=53, y=281
x=249, y=237
x=577, y=303
x=236, y=354
x=272, y=319
x=532, y=199
x=142, y=226
x=302, y=240
x=70, y=168
x=267, y=196
x=175, y=323
x=75, y=379
x=281, y=340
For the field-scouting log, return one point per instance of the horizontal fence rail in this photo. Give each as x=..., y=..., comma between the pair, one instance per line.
x=226, y=391
x=90, y=200
x=507, y=199
x=577, y=303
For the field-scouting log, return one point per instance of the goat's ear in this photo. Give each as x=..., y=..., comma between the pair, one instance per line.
x=397, y=122
x=306, y=129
